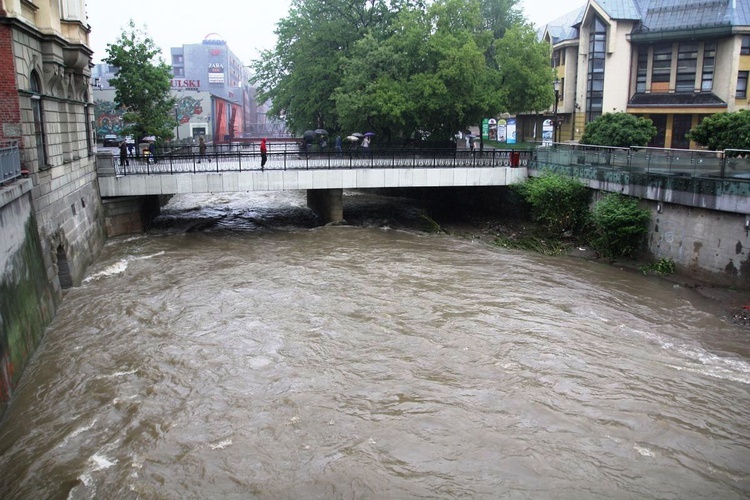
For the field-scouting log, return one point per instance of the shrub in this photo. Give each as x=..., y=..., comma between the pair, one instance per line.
x=662, y=267
x=620, y=130
x=619, y=225
x=723, y=131
x=558, y=203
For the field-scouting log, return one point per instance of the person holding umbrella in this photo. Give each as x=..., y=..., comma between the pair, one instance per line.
x=366, y=142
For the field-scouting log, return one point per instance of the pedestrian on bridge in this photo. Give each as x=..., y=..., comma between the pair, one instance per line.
x=202, y=150
x=152, y=152
x=124, y=154
x=263, y=153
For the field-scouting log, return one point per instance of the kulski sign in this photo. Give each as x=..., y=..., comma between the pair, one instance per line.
x=185, y=84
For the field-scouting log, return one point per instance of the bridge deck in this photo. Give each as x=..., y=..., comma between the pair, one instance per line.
x=232, y=171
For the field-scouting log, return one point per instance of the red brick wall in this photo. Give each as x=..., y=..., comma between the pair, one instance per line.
x=10, y=110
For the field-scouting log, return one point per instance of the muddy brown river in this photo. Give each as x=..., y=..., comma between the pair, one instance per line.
x=238, y=351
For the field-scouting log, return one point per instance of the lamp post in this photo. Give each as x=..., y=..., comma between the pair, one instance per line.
x=556, y=85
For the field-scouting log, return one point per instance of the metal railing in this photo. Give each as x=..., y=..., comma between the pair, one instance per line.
x=722, y=165
x=218, y=159
x=10, y=161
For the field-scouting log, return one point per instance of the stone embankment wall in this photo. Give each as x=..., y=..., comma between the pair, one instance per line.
x=28, y=299
x=47, y=243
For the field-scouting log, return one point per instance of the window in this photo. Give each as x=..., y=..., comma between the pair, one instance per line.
x=178, y=71
x=72, y=10
x=38, y=113
x=687, y=63
x=558, y=57
x=87, y=124
x=662, y=68
x=595, y=83
x=177, y=59
x=709, y=56
x=642, y=71
x=742, y=85
x=745, y=49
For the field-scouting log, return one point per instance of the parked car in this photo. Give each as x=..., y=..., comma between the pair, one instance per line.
x=111, y=140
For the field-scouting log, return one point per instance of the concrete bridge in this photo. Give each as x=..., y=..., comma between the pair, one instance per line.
x=323, y=175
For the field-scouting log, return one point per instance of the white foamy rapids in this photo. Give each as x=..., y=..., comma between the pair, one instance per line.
x=699, y=361
x=100, y=462
x=120, y=266
x=76, y=432
x=116, y=374
x=235, y=202
x=116, y=268
x=146, y=257
x=715, y=366
x=643, y=451
x=221, y=444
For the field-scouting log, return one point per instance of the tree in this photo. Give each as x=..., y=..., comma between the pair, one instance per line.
x=620, y=130
x=723, y=131
x=430, y=75
x=395, y=66
x=313, y=42
x=142, y=85
x=525, y=74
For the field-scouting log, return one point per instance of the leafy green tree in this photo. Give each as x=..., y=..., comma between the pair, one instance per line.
x=313, y=43
x=620, y=130
x=500, y=15
x=723, y=131
x=619, y=226
x=525, y=74
x=396, y=66
x=142, y=84
x=429, y=75
x=559, y=203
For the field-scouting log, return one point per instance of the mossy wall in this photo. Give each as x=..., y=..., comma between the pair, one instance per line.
x=27, y=303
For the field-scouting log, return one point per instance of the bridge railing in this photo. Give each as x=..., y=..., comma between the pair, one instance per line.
x=227, y=160
x=729, y=164
x=10, y=161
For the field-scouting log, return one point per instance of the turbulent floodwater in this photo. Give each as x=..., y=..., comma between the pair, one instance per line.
x=238, y=351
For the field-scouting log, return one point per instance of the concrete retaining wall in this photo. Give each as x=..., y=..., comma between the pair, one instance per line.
x=28, y=298
x=712, y=246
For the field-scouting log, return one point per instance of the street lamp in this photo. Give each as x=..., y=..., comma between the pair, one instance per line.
x=556, y=85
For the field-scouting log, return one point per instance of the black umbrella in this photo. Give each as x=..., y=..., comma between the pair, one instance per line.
x=309, y=134
x=321, y=131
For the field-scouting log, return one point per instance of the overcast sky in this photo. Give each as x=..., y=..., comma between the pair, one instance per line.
x=247, y=26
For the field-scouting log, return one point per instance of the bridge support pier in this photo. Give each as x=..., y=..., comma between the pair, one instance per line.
x=129, y=214
x=328, y=204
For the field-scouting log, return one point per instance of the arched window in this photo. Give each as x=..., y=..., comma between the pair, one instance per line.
x=87, y=119
x=38, y=113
